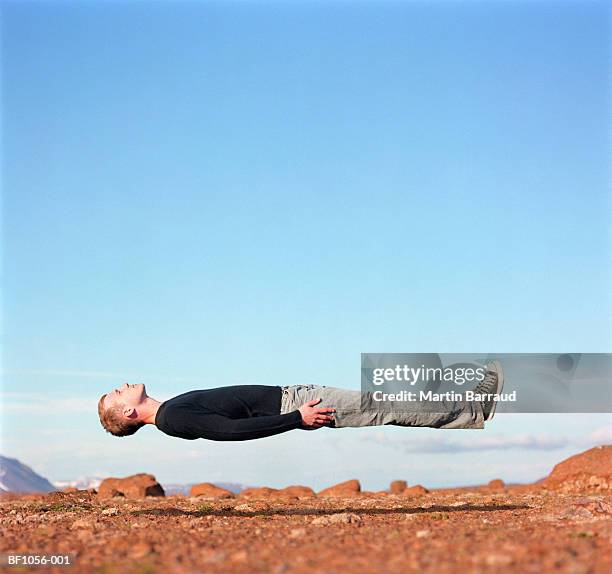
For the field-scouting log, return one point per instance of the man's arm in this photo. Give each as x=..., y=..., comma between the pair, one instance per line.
x=218, y=427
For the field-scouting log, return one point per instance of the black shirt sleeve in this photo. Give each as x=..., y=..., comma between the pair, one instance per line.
x=218, y=427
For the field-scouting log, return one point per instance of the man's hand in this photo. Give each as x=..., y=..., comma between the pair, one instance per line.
x=315, y=418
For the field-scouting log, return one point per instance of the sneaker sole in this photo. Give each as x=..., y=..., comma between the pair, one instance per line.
x=498, y=388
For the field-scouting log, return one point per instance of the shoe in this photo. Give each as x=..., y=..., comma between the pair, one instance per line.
x=492, y=384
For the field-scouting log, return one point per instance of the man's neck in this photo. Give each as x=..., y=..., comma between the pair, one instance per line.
x=149, y=410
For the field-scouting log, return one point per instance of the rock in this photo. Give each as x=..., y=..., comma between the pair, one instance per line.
x=577, y=513
x=134, y=486
x=341, y=518
x=297, y=532
x=588, y=508
x=345, y=518
x=375, y=494
x=497, y=484
x=70, y=489
x=398, y=486
x=416, y=490
x=589, y=471
x=112, y=511
x=208, y=490
x=422, y=533
x=321, y=521
x=244, y=508
x=597, y=504
x=261, y=492
x=348, y=488
x=297, y=490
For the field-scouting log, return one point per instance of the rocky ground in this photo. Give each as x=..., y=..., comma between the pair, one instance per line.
x=545, y=527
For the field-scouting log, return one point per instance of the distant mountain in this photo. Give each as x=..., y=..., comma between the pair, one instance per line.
x=17, y=477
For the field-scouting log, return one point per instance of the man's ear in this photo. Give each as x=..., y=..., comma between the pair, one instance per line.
x=129, y=412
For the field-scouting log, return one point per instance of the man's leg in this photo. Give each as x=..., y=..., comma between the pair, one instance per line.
x=352, y=412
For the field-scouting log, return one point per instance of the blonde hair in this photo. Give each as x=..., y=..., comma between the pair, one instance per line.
x=113, y=422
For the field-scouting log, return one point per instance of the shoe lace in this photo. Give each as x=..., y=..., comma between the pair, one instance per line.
x=490, y=379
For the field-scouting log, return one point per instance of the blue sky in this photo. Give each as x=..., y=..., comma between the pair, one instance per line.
x=202, y=194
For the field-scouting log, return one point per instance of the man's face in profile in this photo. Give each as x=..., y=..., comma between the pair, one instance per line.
x=129, y=397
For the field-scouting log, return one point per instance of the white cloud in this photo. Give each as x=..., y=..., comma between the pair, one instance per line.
x=443, y=444
x=38, y=403
x=601, y=435
x=35, y=403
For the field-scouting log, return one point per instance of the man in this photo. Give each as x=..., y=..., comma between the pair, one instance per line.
x=246, y=412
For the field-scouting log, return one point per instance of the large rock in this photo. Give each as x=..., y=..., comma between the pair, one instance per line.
x=208, y=490
x=261, y=492
x=588, y=471
x=416, y=490
x=297, y=490
x=497, y=484
x=398, y=486
x=348, y=488
x=134, y=486
x=374, y=494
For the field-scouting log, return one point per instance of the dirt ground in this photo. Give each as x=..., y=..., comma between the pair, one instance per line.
x=520, y=529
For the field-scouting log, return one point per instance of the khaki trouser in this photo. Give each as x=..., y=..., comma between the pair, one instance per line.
x=353, y=410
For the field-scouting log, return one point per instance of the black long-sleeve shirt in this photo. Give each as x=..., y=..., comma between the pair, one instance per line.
x=241, y=412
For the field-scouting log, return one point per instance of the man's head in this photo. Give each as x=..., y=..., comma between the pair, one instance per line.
x=120, y=410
